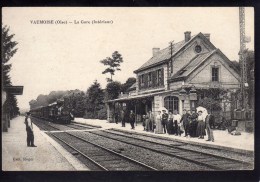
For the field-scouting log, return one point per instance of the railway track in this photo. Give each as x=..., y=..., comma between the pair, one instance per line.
x=245, y=156
x=48, y=126
x=201, y=158
x=183, y=143
x=102, y=158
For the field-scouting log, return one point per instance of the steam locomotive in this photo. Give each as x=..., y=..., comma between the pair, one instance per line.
x=56, y=112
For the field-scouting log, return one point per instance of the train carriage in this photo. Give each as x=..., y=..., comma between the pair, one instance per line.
x=55, y=112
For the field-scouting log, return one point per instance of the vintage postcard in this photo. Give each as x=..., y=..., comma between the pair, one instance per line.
x=128, y=89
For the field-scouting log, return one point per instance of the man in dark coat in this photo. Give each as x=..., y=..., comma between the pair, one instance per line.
x=29, y=130
x=208, y=128
x=123, y=118
x=116, y=117
x=132, y=119
x=151, y=120
x=186, y=122
x=212, y=121
x=164, y=120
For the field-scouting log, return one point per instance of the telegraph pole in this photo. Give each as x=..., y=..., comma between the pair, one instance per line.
x=242, y=59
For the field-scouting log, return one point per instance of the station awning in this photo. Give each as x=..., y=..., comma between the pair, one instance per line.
x=141, y=96
x=14, y=90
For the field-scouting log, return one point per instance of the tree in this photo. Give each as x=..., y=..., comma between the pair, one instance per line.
x=113, y=90
x=250, y=58
x=112, y=64
x=8, y=47
x=8, y=51
x=236, y=65
x=33, y=104
x=74, y=100
x=129, y=82
x=94, y=99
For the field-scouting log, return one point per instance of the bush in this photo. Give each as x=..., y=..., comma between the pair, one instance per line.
x=88, y=115
x=210, y=104
x=102, y=113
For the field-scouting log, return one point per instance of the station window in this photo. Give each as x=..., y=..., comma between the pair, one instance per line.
x=215, y=74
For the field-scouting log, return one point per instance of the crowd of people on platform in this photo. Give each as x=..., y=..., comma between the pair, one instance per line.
x=191, y=124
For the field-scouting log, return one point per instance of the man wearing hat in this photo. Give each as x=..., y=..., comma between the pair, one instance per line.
x=185, y=121
x=29, y=130
x=164, y=120
x=208, y=121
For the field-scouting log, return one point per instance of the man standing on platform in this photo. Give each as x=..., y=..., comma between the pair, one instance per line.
x=208, y=121
x=123, y=118
x=132, y=119
x=177, y=122
x=193, y=123
x=164, y=120
x=185, y=121
x=116, y=117
x=151, y=120
x=29, y=130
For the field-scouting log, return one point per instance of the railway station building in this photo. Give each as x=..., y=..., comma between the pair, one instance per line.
x=173, y=77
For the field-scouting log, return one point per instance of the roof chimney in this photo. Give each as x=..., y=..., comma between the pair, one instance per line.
x=155, y=51
x=207, y=35
x=187, y=36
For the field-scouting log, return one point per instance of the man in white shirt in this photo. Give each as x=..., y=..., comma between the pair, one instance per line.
x=177, y=121
x=29, y=130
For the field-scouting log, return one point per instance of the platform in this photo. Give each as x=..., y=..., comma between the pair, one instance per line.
x=47, y=156
x=224, y=140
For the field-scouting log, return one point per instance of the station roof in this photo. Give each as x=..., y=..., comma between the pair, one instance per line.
x=14, y=90
x=132, y=97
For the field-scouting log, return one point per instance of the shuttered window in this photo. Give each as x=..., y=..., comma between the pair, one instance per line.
x=154, y=78
x=139, y=81
x=159, y=76
x=162, y=75
x=151, y=79
x=142, y=81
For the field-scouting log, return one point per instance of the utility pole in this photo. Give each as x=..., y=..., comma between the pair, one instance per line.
x=171, y=66
x=242, y=59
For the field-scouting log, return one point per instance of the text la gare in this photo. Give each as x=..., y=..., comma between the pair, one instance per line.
x=81, y=22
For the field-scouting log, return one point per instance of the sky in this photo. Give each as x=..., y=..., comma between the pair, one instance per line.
x=53, y=57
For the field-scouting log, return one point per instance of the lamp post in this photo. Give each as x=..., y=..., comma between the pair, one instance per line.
x=182, y=96
x=193, y=96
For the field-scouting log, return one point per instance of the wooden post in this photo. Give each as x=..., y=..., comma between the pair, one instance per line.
x=114, y=104
x=135, y=115
x=108, y=111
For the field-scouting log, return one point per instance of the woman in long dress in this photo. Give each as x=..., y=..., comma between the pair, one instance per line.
x=201, y=126
x=170, y=124
x=159, y=127
x=193, y=124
